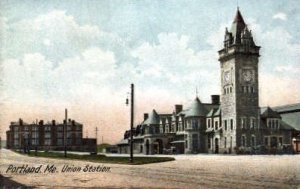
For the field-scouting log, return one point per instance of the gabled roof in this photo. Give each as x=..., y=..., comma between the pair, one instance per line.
x=285, y=126
x=287, y=108
x=196, y=109
x=153, y=119
x=218, y=112
x=269, y=113
x=212, y=112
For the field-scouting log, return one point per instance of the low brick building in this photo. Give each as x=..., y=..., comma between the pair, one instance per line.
x=48, y=136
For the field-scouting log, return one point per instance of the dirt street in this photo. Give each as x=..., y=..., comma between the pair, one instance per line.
x=188, y=171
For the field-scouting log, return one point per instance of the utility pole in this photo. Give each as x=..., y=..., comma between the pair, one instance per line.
x=65, y=132
x=131, y=123
x=96, y=134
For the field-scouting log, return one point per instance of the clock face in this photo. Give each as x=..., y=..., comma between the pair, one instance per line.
x=227, y=77
x=247, y=75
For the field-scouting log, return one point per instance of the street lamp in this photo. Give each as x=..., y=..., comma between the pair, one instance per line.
x=65, y=132
x=131, y=121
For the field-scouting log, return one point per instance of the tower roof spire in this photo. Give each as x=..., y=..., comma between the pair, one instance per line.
x=238, y=17
x=237, y=27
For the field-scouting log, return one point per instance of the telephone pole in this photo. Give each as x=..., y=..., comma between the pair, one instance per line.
x=65, y=131
x=131, y=123
x=96, y=134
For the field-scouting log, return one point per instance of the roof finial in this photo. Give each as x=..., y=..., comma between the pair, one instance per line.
x=196, y=91
x=237, y=4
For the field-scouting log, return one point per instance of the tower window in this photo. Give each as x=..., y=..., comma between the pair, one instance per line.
x=243, y=123
x=243, y=140
x=252, y=123
x=225, y=142
x=230, y=89
x=231, y=124
x=225, y=125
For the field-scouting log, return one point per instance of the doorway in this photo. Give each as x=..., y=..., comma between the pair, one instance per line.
x=216, y=145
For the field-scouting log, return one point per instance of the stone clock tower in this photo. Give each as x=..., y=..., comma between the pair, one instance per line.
x=239, y=85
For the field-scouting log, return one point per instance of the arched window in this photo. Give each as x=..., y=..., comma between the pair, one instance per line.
x=243, y=142
x=253, y=140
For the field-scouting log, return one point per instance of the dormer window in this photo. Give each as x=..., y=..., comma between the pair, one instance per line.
x=273, y=123
x=216, y=125
x=208, y=122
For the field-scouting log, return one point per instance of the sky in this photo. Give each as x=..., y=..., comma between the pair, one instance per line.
x=83, y=56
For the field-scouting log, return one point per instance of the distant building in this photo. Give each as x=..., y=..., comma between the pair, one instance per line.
x=49, y=136
x=233, y=122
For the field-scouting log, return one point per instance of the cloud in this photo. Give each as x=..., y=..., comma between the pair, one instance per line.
x=280, y=16
x=54, y=34
x=36, y=79
x=54, y=62
x=175, y=66
x=276, y=90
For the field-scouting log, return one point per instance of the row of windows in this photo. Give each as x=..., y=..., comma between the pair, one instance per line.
x=48, y=135
x=190, y=124
x=211, y=125
x=244, y=141
x=48, y=128
x=248, y=89
x=227, y=90
x=228, y=124
x=245, y=124
x=273, y=141
x=209, y=141
x=48, y=142
x=273, y=123
x=245, y=89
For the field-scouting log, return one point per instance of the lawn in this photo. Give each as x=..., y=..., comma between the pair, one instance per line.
x=103, y=158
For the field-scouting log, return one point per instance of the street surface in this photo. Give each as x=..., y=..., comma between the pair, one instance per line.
x=187, y=171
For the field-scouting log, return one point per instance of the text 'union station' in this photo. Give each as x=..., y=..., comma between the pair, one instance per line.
x=233, y=122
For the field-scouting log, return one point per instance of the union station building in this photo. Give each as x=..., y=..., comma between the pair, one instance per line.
x=233, y=122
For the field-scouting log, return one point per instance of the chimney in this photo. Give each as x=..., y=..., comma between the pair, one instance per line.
x=178, y=108
x=20, y=121
x=73, y=122
x=41, y=122
x=53, y=122
x=146, y=115
x=215, y=99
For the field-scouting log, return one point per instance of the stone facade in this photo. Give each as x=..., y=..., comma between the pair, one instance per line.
x=235, y=125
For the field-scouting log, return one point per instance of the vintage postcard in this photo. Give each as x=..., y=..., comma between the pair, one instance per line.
x=149, y=94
